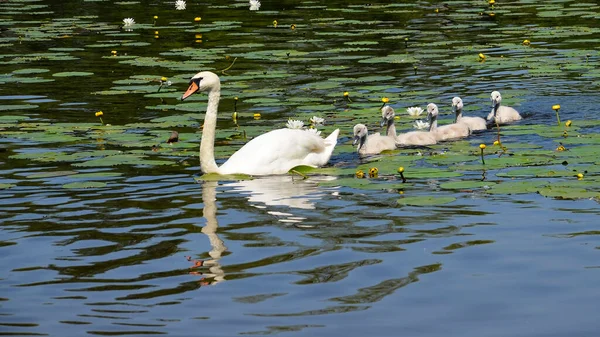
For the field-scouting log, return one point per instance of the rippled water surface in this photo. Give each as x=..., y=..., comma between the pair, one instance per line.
x=141, y=246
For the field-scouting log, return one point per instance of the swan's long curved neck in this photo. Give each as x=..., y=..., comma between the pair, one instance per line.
x=361, y=142
x=207, y=144
x=458, y=115
x=495, y=108
x=433, y=123
x=391, y=128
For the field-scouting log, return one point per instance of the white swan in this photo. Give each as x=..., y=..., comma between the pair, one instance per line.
x=275, y=152
x=501, y=114
x=446, y=132
x=414, y=138
x=474, y=123
x=372, y=144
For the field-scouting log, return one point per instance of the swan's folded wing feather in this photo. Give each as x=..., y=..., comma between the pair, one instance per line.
x=276, y=152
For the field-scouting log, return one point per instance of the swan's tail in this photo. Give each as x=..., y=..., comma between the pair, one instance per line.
x=331, y=140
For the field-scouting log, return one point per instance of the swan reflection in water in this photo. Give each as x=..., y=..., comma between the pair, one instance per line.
x=282, y=191
x=261, y=193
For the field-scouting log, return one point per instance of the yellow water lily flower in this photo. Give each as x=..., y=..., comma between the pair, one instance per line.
x=197, y=18
x=482, y=146
x=526, y=42
x=400, y=169
x=256, y=115
x=579, y=176
x=293, y=26
x=560, y=148
x=99, y=113
x=373, y=172
x=481, y=57
x=496, y=142
x=346, y=94
x=155, y=17
x=113, y=52
x=360, y=174
x=556, y=107
x=275, y=23
x=385, y=100
x=492, y=2
x=568, y=123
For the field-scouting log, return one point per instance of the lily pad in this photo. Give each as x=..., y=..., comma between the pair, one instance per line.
x=85, y=184
x=426, y=200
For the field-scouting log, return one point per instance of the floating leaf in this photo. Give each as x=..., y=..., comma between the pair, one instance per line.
x=426, y=200
x=85, y=184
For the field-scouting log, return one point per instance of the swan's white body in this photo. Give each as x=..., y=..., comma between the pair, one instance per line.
x=501, y=114
x=446, y=132
x=474, y=123
x=371, y=144
x=413, y=138
x=275, y=152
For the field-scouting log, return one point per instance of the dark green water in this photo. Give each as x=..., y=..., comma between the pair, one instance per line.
x=146, y=249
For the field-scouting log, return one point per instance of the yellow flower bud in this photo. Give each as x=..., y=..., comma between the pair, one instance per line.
x=481, y=57
x=400, y=169
x=155, y=17
x=556, y=107
x=197, y=18
x=568, y=123
x=360, y=174
x=275, y=23
x=385, y=100
x=526, y=42
x=579, y=175
x=491, y=2
x=495, y=143
x=114, y=52
x=482, y=146
x=293, y=26
x=257, y=115
x=346, y=94
x=99, y=113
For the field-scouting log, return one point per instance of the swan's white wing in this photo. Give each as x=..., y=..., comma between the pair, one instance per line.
x=276, y=152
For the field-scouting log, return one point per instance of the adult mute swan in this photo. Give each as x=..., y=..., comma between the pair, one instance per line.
x=275, y=152
x=372, y=144
x=446, y=132
x=474, y=123
x=414, y=138
x=501, y=114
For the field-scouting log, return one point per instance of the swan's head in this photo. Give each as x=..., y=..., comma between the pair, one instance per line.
x=360, y=135
x=432, y=111
x=387, y=115
x=496, y=98
x=457, y=104
x=202, y=81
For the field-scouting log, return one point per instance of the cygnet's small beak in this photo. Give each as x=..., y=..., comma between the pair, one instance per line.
x=356, y=139
x=384, y=121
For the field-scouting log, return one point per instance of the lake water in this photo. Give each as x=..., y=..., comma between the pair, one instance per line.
x=107, y=230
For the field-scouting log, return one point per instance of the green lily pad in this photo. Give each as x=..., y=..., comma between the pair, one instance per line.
x=85, y=184
x=5, y=186
x=426, y=200
x=72, y=74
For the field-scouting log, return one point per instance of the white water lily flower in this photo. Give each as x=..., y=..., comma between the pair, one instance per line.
x=315, y=131
x=420, y=125
x=254, y=5
x=414, y=111
x=128, y=22
x=294, y=124
x=317, y=120
x=180, y=5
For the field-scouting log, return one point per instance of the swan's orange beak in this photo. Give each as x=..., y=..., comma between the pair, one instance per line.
x=192, y=89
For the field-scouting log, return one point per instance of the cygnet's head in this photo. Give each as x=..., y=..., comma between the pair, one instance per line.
x=496, y=98
x=457, y=104
x=202, y=81
x=360, y=132
x=387, y=114
x=432, y=111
